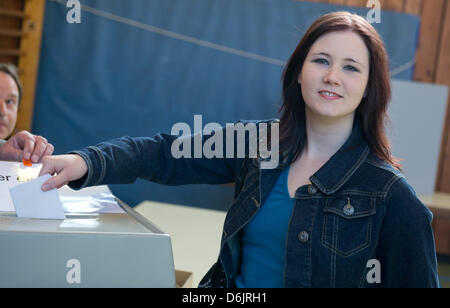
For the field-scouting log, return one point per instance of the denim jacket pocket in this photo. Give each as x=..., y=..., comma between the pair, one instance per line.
x=347, y=224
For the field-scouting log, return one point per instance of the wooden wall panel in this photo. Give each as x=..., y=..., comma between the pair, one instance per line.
x=393, y=5
x=413, y=7
x=8, y=21
x=361, y=3
x=338, y=2
x=427, y=51
x=443, y=60
x=30, y=46
x=443, y=77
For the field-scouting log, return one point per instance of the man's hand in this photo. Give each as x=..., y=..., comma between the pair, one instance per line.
x=25, y=145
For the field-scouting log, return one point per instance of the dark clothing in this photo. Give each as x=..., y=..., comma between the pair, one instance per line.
x=357, y=209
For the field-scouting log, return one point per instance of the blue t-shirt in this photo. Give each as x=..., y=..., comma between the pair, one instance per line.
x=264, y=240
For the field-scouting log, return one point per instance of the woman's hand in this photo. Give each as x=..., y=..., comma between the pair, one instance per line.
x=68, y=168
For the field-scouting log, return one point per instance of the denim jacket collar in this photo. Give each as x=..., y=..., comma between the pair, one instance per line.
x=341, y=166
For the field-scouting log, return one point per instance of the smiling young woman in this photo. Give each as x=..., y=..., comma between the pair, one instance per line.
x=335, y=205
x=364, y=69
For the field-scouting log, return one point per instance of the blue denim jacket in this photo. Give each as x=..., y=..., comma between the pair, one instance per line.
x=358, y=209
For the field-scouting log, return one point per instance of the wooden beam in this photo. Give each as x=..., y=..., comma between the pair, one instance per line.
x=13, y=13
x=11, y=52
x=413, y=7
x=428, y=50
x=394, y=5
x=12, y=33
x=358, y=3
x=338, y=2
x=443, y=77
x=443, y=66
x=29, y=63
x=443, y=176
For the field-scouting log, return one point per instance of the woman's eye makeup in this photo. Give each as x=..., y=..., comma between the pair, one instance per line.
x=351, y=68
x=347, y=67
x=321, y=61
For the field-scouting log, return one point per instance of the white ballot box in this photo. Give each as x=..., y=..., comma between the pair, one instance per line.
x=101, y=243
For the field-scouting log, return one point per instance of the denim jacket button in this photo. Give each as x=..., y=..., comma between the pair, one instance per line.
x=303, y=236
x=312, y=189
x=349, y=210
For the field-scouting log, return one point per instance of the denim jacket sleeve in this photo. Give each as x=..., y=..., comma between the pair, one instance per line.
x=125, y=159
x=406, y=250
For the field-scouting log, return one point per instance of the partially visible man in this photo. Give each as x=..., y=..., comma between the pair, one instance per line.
x=23, y=144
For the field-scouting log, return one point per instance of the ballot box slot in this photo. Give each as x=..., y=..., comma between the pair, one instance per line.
x=145, y=222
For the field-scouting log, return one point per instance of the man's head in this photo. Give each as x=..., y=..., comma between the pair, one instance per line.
x=10, y=96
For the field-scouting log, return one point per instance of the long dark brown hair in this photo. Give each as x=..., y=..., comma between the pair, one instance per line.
x=372, y=111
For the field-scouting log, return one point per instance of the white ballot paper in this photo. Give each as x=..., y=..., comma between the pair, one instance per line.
x=89, y=200
x=31, y=202
x=13, y=174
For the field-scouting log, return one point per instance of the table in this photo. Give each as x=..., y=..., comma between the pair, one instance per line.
x=195, y=234
x=439, y=204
